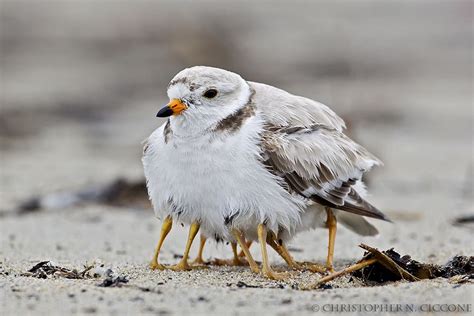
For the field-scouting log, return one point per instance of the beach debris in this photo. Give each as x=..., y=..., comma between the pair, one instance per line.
x=44, y=269
x=100, y=271
x=126, y=193
x=113, y=281
x=3, y=272
x=360, y=265
x=120, y=192
x=461, y=279
x=384, y=266
x=458, y=265
x=243, y=284
x=111, y=278
x=465, y=221
x=390, y=264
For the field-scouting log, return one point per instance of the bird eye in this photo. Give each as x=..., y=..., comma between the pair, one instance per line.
x=211, y=93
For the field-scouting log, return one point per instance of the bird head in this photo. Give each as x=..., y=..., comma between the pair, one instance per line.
x=202, y=96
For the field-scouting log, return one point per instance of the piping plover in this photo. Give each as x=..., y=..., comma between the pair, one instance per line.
x=240, y=159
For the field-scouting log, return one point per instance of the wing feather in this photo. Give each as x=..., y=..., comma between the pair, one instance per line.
x=322, y=164
x=283, y=109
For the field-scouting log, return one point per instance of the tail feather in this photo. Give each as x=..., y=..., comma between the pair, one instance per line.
x=357, y=224
x=355, y=204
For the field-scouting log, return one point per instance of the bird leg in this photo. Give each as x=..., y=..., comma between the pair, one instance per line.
x=183, y=264
x=332, y=226
x=235, y=261
x=248, y=243
x=266, y=268
x=165, y=229
x=241, y=241
x=282, y=251
x=199, y=260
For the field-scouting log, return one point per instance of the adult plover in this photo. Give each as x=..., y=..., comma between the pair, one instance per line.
x=240, y=159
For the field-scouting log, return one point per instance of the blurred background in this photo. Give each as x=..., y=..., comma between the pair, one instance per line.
x=81, y=82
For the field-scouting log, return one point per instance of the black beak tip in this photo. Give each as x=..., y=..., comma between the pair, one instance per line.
x=164, y=112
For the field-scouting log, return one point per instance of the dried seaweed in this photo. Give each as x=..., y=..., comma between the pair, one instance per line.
x=47, y=268
x=380, y=273
x=389, y=266
x=360, y=265
x=458, y=265
x=384, y=266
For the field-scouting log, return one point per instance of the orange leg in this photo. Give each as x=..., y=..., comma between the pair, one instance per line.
x=165, y=229
x=241, y=253
x=235, y=261
x=183, y=265
x=266, y=268
x=199, y=260
x=241, y=241
x=332, y=226
x=281, y=250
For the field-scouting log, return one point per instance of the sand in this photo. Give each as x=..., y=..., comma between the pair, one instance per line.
x=79, y=97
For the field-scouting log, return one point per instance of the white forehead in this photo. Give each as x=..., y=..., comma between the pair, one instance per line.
x=196, y=78
x=177, y=91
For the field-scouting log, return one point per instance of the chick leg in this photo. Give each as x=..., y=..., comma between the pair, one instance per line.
x=240, y=239
x=199, y=260
x=332, y=226
x=165, y=229
x=241, y=253
x=183, y=264
x=266, y=269
x=282, y=251
x=285, y=254
x=235, y=261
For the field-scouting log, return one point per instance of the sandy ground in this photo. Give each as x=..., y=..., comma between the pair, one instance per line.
x=124, y=240
x=78, y=98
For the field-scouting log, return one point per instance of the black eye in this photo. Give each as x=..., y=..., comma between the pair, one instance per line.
x=210, y=93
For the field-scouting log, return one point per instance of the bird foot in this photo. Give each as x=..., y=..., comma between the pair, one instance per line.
x=199, y=262
x=235, y=262
x=254, y=268
x=278, y=276
x=154, y=265
x=313, y=267
x=183, y=265
x=330, y=269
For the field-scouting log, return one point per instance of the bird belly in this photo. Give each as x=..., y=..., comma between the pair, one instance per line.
x=219, y=182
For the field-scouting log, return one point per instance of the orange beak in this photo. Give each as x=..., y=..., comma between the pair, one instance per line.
x=175, y=107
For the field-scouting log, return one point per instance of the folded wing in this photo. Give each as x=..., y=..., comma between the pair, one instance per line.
x=283, y=109
x=321, y=164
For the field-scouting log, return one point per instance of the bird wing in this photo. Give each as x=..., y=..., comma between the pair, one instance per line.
x=281, y=108
x=320, y=163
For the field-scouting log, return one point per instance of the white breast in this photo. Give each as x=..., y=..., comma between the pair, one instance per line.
x=217, y=176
